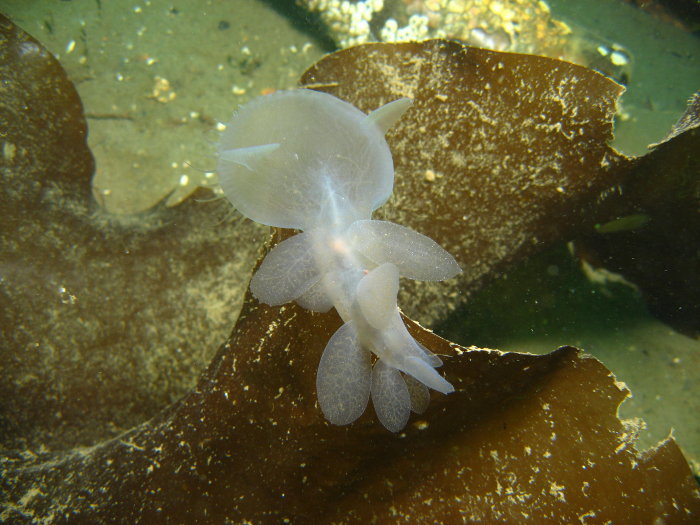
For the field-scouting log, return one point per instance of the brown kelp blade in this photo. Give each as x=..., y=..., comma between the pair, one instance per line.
x=498, y=153
x=523, y=437
x=111, y=317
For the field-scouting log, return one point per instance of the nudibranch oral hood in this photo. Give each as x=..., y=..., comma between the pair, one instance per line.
x=307, y=160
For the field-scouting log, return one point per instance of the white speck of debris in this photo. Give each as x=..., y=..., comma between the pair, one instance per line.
x=184, y=180
x=9, y=151
x=70, y=47
x=29, y=496
x=557, y=491
x=618, y=58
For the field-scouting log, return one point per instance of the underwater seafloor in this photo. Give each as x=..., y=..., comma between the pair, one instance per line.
x=156, y=77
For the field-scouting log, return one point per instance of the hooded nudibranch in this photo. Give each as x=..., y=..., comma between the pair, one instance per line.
x=307, y=160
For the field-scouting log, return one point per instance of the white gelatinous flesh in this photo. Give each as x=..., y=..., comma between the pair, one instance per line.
x=390, y=396
x=315, y=152
x=344, y=377
x=248, y=157
x=315, y=299
x=419, y=394
x=387, y=115
x=287, y=271
x=376, y=295
x=398, y=349
x=415, y=255
x=397, y=344
x=307, y=160
x=432, y=360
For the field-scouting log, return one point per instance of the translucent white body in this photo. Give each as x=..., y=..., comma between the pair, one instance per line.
x=307, y=160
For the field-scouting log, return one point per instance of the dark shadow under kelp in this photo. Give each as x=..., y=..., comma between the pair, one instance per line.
x=660, y=255
x=522, y=435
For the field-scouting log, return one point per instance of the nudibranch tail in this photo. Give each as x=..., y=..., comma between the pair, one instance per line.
x=307, y=160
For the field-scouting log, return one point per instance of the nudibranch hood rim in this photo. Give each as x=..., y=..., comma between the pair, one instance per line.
x=284, y=139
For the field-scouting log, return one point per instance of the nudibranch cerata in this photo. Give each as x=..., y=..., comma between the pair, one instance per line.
x=307, y=160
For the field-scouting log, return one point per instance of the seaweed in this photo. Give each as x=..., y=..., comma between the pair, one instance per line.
x=523, y=436
x=661, y=255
